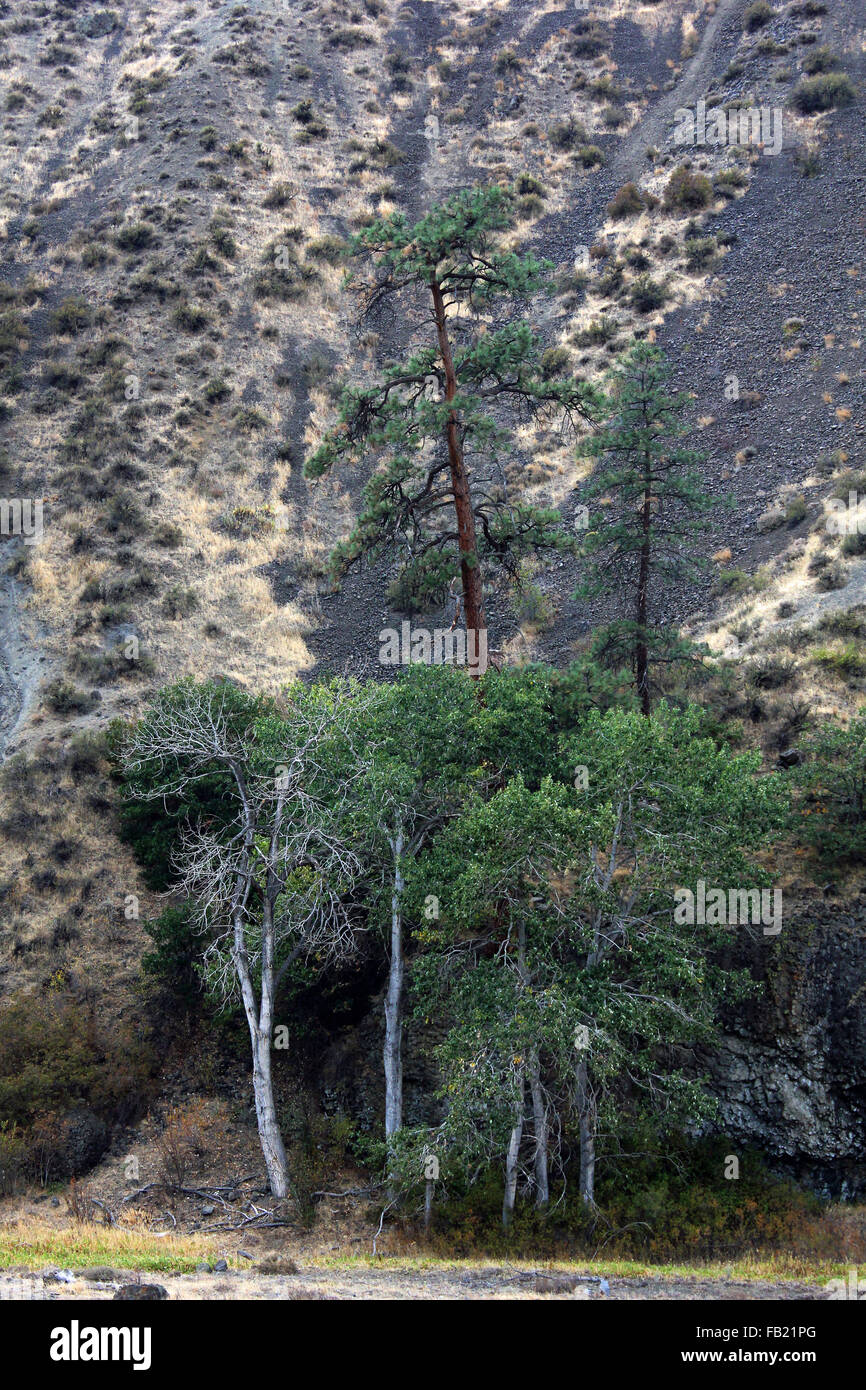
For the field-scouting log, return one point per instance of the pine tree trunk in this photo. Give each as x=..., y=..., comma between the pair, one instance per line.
x=642, y=649
x=470, y=572
x=511, y=1160
x=394, y=1002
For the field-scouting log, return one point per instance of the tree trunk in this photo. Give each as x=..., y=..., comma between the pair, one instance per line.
x=266, y=1114
x=261, y=1026
x=511, y=1160
x=539, y=1115
x=642, y=649
x=394, y=1001
x=470, y=572
x=586, y=1119
x=428, y=1203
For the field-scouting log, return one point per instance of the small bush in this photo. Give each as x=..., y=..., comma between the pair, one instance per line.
x=854, y=544
x=757, y=15
x=190, y=317
x=331, y=249
x=182, y=1141
x=647, y=294
x=135, y=236
x=823, y=93
x=507, y=61
x=599, y=333
x=217, y=389
x=821, y=59
x=554, y=361
x=846, y=661
x=686, y=191
x=64, y=698
x=566, y=135
x=71, y=316
x=795, y=510
x=628, y=202
x=590, y=156
x=179, y=602
x=278, y=196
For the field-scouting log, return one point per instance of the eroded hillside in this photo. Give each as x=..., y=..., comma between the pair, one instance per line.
x=179, y=181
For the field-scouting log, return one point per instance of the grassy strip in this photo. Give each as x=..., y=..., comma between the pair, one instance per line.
x=774, y=1268
x=33, y=1245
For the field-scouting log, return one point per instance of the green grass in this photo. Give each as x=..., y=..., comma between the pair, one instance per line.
x=82, y=1246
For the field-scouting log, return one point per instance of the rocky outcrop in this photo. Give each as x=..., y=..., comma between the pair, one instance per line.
x=790, y=1073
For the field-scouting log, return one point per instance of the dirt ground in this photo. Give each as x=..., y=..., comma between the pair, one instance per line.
x=387, y=1282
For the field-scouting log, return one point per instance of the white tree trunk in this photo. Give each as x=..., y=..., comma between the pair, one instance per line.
x=428, y=1203
x=261, y=1025
x=511, y=1160
x=393, y=1057
x=539, y=1116
x=586, y=1120
x=266, y=1114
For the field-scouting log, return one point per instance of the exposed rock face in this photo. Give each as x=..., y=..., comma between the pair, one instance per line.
x=791, y=1070
x=81, y=1142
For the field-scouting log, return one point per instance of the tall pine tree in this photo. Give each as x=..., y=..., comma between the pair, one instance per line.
x=440, y=501
x=653, y=506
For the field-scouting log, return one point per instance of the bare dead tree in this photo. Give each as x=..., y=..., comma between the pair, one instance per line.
x=272, y=885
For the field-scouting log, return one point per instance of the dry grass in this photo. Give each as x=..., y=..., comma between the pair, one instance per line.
x=33, y=1244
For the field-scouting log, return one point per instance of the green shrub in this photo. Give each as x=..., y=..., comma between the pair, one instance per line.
x=647, y=294
x=175, y=954
x=687, y=191
x=135, y=236
x=71, y=316
x=590, y=156
x=566, y=135
x=279, y=195
x=528, y=183
x=795, y=510
x=507, y=61
x=331, y=249
x=701, y=251
x=217, y=389
x=823, y=92
x=64, y=698
x=846, y=661
x=832, y=811
x=179, y=602
x=628, y=202
x=554, y=361
x=757, y=15
x=589, y=39
x=821, y=59
x=855, y=544
x=190, y=317
x=599, y=333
